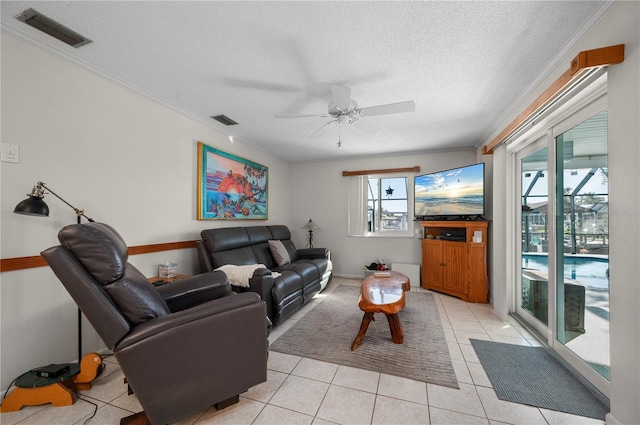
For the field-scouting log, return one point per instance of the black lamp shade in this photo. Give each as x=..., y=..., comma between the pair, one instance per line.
x=33, y=205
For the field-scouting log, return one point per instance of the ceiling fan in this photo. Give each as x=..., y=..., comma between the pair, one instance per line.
x=344, y=110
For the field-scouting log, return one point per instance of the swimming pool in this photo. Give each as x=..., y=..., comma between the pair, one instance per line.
x=590, y=270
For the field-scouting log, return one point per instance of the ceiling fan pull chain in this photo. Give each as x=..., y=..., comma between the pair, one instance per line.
x=339, y=141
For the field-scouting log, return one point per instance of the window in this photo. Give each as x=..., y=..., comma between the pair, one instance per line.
x=379, y=206
x=387, y=206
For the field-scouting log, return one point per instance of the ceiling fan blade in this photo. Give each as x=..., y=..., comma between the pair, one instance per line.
x=341, y=97
x=261, y=85
x=365, y=126
x=301, y=116
x=315, y=133
x=390, y=108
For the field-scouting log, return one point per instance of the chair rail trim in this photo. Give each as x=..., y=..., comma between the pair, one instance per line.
x=21, y=263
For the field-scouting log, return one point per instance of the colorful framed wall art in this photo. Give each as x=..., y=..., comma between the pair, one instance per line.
x=230, y=187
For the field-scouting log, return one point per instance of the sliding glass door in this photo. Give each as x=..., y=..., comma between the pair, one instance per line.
x=582, y=254
x=561, y=282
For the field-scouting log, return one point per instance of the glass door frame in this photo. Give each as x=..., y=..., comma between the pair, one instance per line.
x=536, y=143
x=584, y=113
x=579, y=108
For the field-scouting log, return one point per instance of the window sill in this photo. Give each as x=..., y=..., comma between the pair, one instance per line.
x=385, y=235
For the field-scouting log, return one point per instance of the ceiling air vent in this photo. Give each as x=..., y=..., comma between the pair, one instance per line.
x=40, y=22
x=224, y=119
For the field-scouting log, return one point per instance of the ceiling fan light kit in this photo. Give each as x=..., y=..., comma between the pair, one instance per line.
x=343, y=109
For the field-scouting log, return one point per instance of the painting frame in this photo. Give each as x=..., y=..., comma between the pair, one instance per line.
x=230, y=187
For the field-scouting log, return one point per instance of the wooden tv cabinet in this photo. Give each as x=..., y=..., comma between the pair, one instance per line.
x=452, y=263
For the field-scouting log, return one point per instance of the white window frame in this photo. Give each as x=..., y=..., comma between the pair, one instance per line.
x=358, y=206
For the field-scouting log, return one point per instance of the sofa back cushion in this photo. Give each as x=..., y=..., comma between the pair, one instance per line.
x=225, y=239
x=282, y=233
x=263, y=254
x=239, y=257
x=136, y=298
x=291, y=249
x=246, y=245
x=259, y=237
x=279, y=232
x=228, y=246
x=258, y=234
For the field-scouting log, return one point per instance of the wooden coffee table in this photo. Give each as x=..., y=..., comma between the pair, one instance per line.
x=382, y=295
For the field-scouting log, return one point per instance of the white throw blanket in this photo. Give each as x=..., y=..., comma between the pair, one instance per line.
x=240, y=275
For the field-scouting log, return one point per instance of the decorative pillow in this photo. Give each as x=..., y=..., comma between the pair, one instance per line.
x=240, y=275
x=279, y=252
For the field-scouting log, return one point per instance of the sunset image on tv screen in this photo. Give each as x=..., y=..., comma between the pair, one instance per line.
x=459, y=191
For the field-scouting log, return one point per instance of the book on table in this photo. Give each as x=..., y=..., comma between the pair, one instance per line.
x=382, y=274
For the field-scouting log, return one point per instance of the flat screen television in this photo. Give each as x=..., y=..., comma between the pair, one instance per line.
x=450, y=194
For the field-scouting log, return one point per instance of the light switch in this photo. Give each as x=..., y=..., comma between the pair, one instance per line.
x=10, y=153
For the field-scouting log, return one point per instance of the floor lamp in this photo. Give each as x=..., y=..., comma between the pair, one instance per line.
x=35, y=205
x=310, y=227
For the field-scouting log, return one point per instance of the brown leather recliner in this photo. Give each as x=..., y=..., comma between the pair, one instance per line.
x=182, y=346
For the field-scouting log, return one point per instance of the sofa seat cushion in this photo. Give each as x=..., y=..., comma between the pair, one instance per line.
x=287, y=285
x=308, y=272
x=322, y=264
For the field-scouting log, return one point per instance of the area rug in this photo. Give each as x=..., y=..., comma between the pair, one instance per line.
x=531, y=375
x=327, y=331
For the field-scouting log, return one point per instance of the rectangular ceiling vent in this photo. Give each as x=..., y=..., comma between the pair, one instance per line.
x=224, y=119
x=48, y=26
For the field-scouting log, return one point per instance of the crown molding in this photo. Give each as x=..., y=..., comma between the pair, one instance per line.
x=531, y=90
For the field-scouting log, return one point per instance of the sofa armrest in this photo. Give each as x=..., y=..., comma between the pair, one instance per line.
x=158, y=326
x=224, y=339
x=310, y=253
x=191, y=291
x=262, y=284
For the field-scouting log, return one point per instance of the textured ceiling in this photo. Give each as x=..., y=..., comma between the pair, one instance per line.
x=463, y=63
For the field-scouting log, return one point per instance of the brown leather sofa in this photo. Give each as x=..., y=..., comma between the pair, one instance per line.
x=182, y=346
x=294, y=284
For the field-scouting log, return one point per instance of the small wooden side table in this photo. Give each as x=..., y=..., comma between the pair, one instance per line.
x=156, y=279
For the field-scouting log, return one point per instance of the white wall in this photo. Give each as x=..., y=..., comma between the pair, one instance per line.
x=620, y=25
x=319, y=192
x=125, y=159
x=624, y=211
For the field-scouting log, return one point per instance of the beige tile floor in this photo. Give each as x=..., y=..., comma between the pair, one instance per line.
x=306, y=391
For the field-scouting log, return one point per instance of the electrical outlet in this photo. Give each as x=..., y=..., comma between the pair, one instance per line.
x=10, y=153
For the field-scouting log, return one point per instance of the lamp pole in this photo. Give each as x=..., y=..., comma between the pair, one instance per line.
x=310, y=238
x=35, y=205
